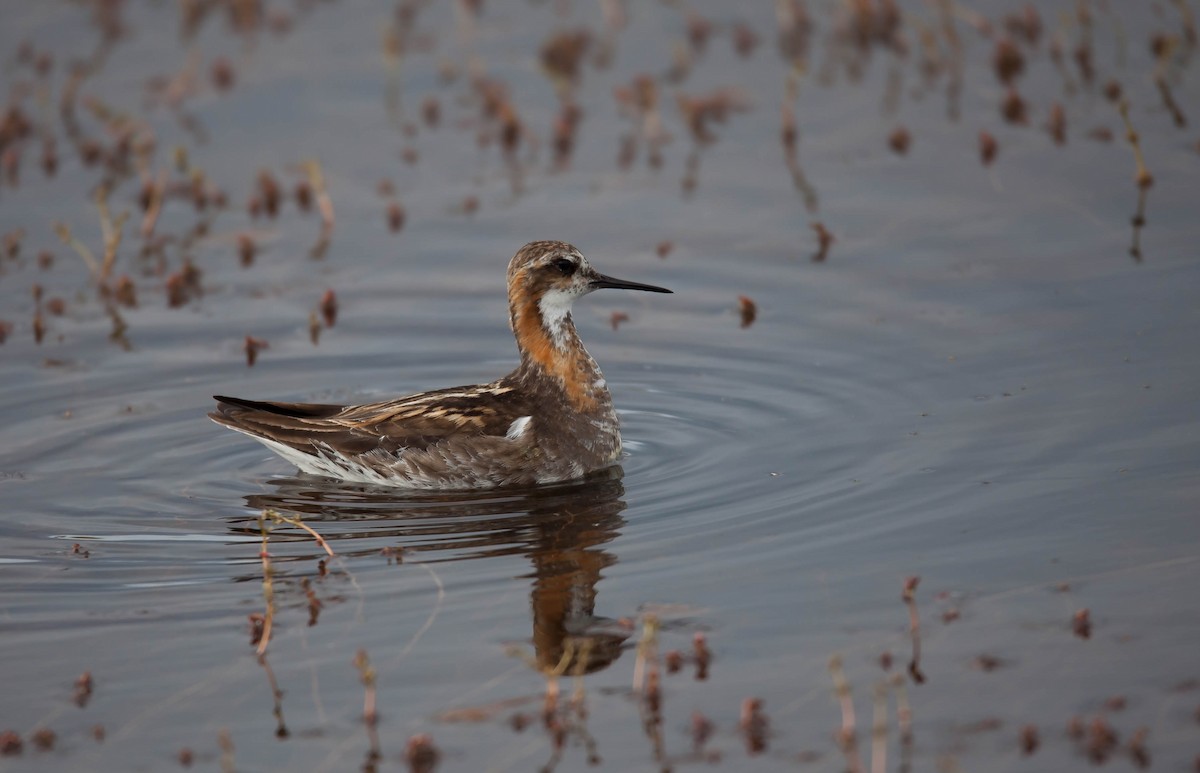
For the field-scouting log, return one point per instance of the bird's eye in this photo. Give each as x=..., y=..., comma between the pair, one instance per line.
x=567, y=267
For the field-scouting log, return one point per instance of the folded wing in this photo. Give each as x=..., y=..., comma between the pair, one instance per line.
x=414, y=423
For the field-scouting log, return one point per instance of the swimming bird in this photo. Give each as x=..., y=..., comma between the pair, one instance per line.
x=551, y=419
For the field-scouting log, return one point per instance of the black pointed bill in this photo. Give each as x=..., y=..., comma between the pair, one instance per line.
x=600, y=281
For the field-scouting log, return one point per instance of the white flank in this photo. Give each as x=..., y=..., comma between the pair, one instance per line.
x=331, y=464
x=310, y=463
x=518, y=428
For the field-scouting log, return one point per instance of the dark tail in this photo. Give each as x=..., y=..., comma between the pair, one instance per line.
x=230, y=406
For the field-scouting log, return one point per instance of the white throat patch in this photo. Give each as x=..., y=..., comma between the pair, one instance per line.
x=555, y=307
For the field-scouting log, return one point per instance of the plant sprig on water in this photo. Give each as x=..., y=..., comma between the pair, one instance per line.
x=647, y=649
x=268, y=586
x=316, y=178
x=111, y=230
x=1142, y=178
x=909, y=595
x=847, y=735
x=370, y=715
x=63, y=231
x=279, y=517
x=366, y=675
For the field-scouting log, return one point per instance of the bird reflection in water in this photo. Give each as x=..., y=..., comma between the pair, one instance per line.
x=561, y=528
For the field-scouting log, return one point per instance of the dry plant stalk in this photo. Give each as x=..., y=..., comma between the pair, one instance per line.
x=647, y=650
x=278, y=517
x=111, y=229
x=366, y=675
x=581, y=665
x=157, y=190
x=701, y=654
x=846, y=735
x=914, y=627
x=556, y=729
x=225, y=741
x=83, y=689
x=579, y=699
x=879, y=730
x=281, y=730
x=316, y=179
x=66, y=237
x=550, y=702
x=268, y=587
x=903, y=722
x=825, y=240
x=1142, y=178
x=651, y=710
x=754, y=726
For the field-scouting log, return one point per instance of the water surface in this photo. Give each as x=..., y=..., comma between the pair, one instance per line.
x=978, y=386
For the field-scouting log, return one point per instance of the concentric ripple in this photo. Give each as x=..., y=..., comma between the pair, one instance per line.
x=721, y=447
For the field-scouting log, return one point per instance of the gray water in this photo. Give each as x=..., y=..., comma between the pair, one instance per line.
x=978, y=386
